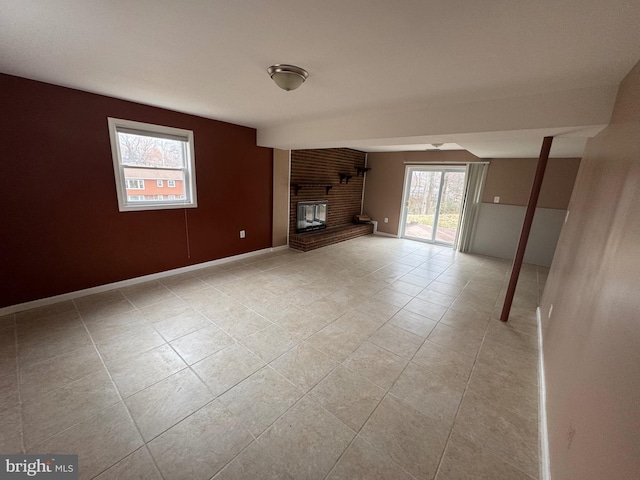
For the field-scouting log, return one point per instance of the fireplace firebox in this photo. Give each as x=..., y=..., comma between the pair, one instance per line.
x=311, y=216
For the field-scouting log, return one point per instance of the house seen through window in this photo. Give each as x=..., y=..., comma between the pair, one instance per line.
x=144, y=157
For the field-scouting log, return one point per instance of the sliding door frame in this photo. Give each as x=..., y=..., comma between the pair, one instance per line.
x=408, y=173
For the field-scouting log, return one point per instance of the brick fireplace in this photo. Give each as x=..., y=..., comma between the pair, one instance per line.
x=333, y=175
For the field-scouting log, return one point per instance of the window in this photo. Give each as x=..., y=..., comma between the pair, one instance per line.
x=143, y=151
x=135, y=184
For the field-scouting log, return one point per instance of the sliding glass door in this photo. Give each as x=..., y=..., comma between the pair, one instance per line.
x=433, y=203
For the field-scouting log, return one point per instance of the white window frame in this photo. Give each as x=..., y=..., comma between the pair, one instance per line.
x=189, y=169
x=171, y=183
x=159, y=183
x=139, y=181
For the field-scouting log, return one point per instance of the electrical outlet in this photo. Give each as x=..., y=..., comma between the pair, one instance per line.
x=496, y=199
x=386, y=220
x=242, y=234
x=550, y=310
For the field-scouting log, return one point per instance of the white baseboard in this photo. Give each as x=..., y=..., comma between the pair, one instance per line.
x=545, y=465
x=383, y=234
x=131, y=281
x=280, y=248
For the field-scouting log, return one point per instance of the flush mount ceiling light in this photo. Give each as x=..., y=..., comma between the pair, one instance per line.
x=287, y=77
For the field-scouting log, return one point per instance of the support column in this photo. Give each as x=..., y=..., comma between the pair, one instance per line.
x=526, y=227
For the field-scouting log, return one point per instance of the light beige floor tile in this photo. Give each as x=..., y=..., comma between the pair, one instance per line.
x=162, y=405
x=510, y=362
x=168, y=308
x=500, y=431
x=445, y=362
x=270, y=343
x=218, y=278
x=457, y=339
x=32, y=328
x=253, y=463
x=8, y=360
x=302, y=296
x=430, y=391
x=348, y=396
x=328, y=308
x=465, y=460
x=183, y=284
x=414, y=323
x=475, y=323
x=357, y=322
x=96, y=309
x=199, y=446
x=51, y=413
x=362, y=461
x=273, y=309
x=43, y=348
x=445, y=288
x=412, y=439
x=304, y=366
x=8, y=321
x=137, y=466
x=347, y=298
x=377, y=309
x=397, y=340
x=464, y=305
x=426, y=309
x=181, y=324
x=525, y=323
x=134, y=342
x=11, y=431
x=303, y=324
x=416, y=280
x=512, y=393
x=201, y=343
x=99, y=441
x=393, y=297
x=210, y=299
x=9, y=394
x=260, y=399
x=438, y=298
x=147, y=293
x=458, y=280
x=228, y=367
x=242, y=324
x=43, y=377
x=307, y=441
x=504, y=333
x=140, y=371
x=406, y=288
x=376, y=364
x=222, y=308
x=45, y=311
x=104, y=329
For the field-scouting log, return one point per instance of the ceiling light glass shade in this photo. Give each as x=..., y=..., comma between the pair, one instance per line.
x=287, y=77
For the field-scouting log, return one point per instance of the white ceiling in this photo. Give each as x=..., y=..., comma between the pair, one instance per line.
x=493, y=76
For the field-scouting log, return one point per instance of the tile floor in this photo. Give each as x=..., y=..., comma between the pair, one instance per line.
x=375, y=358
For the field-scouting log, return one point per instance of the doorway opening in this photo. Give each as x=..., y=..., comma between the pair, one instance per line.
x=432, y=204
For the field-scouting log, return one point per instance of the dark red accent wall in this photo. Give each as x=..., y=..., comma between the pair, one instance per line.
x=324, y=166
x=60, y=228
